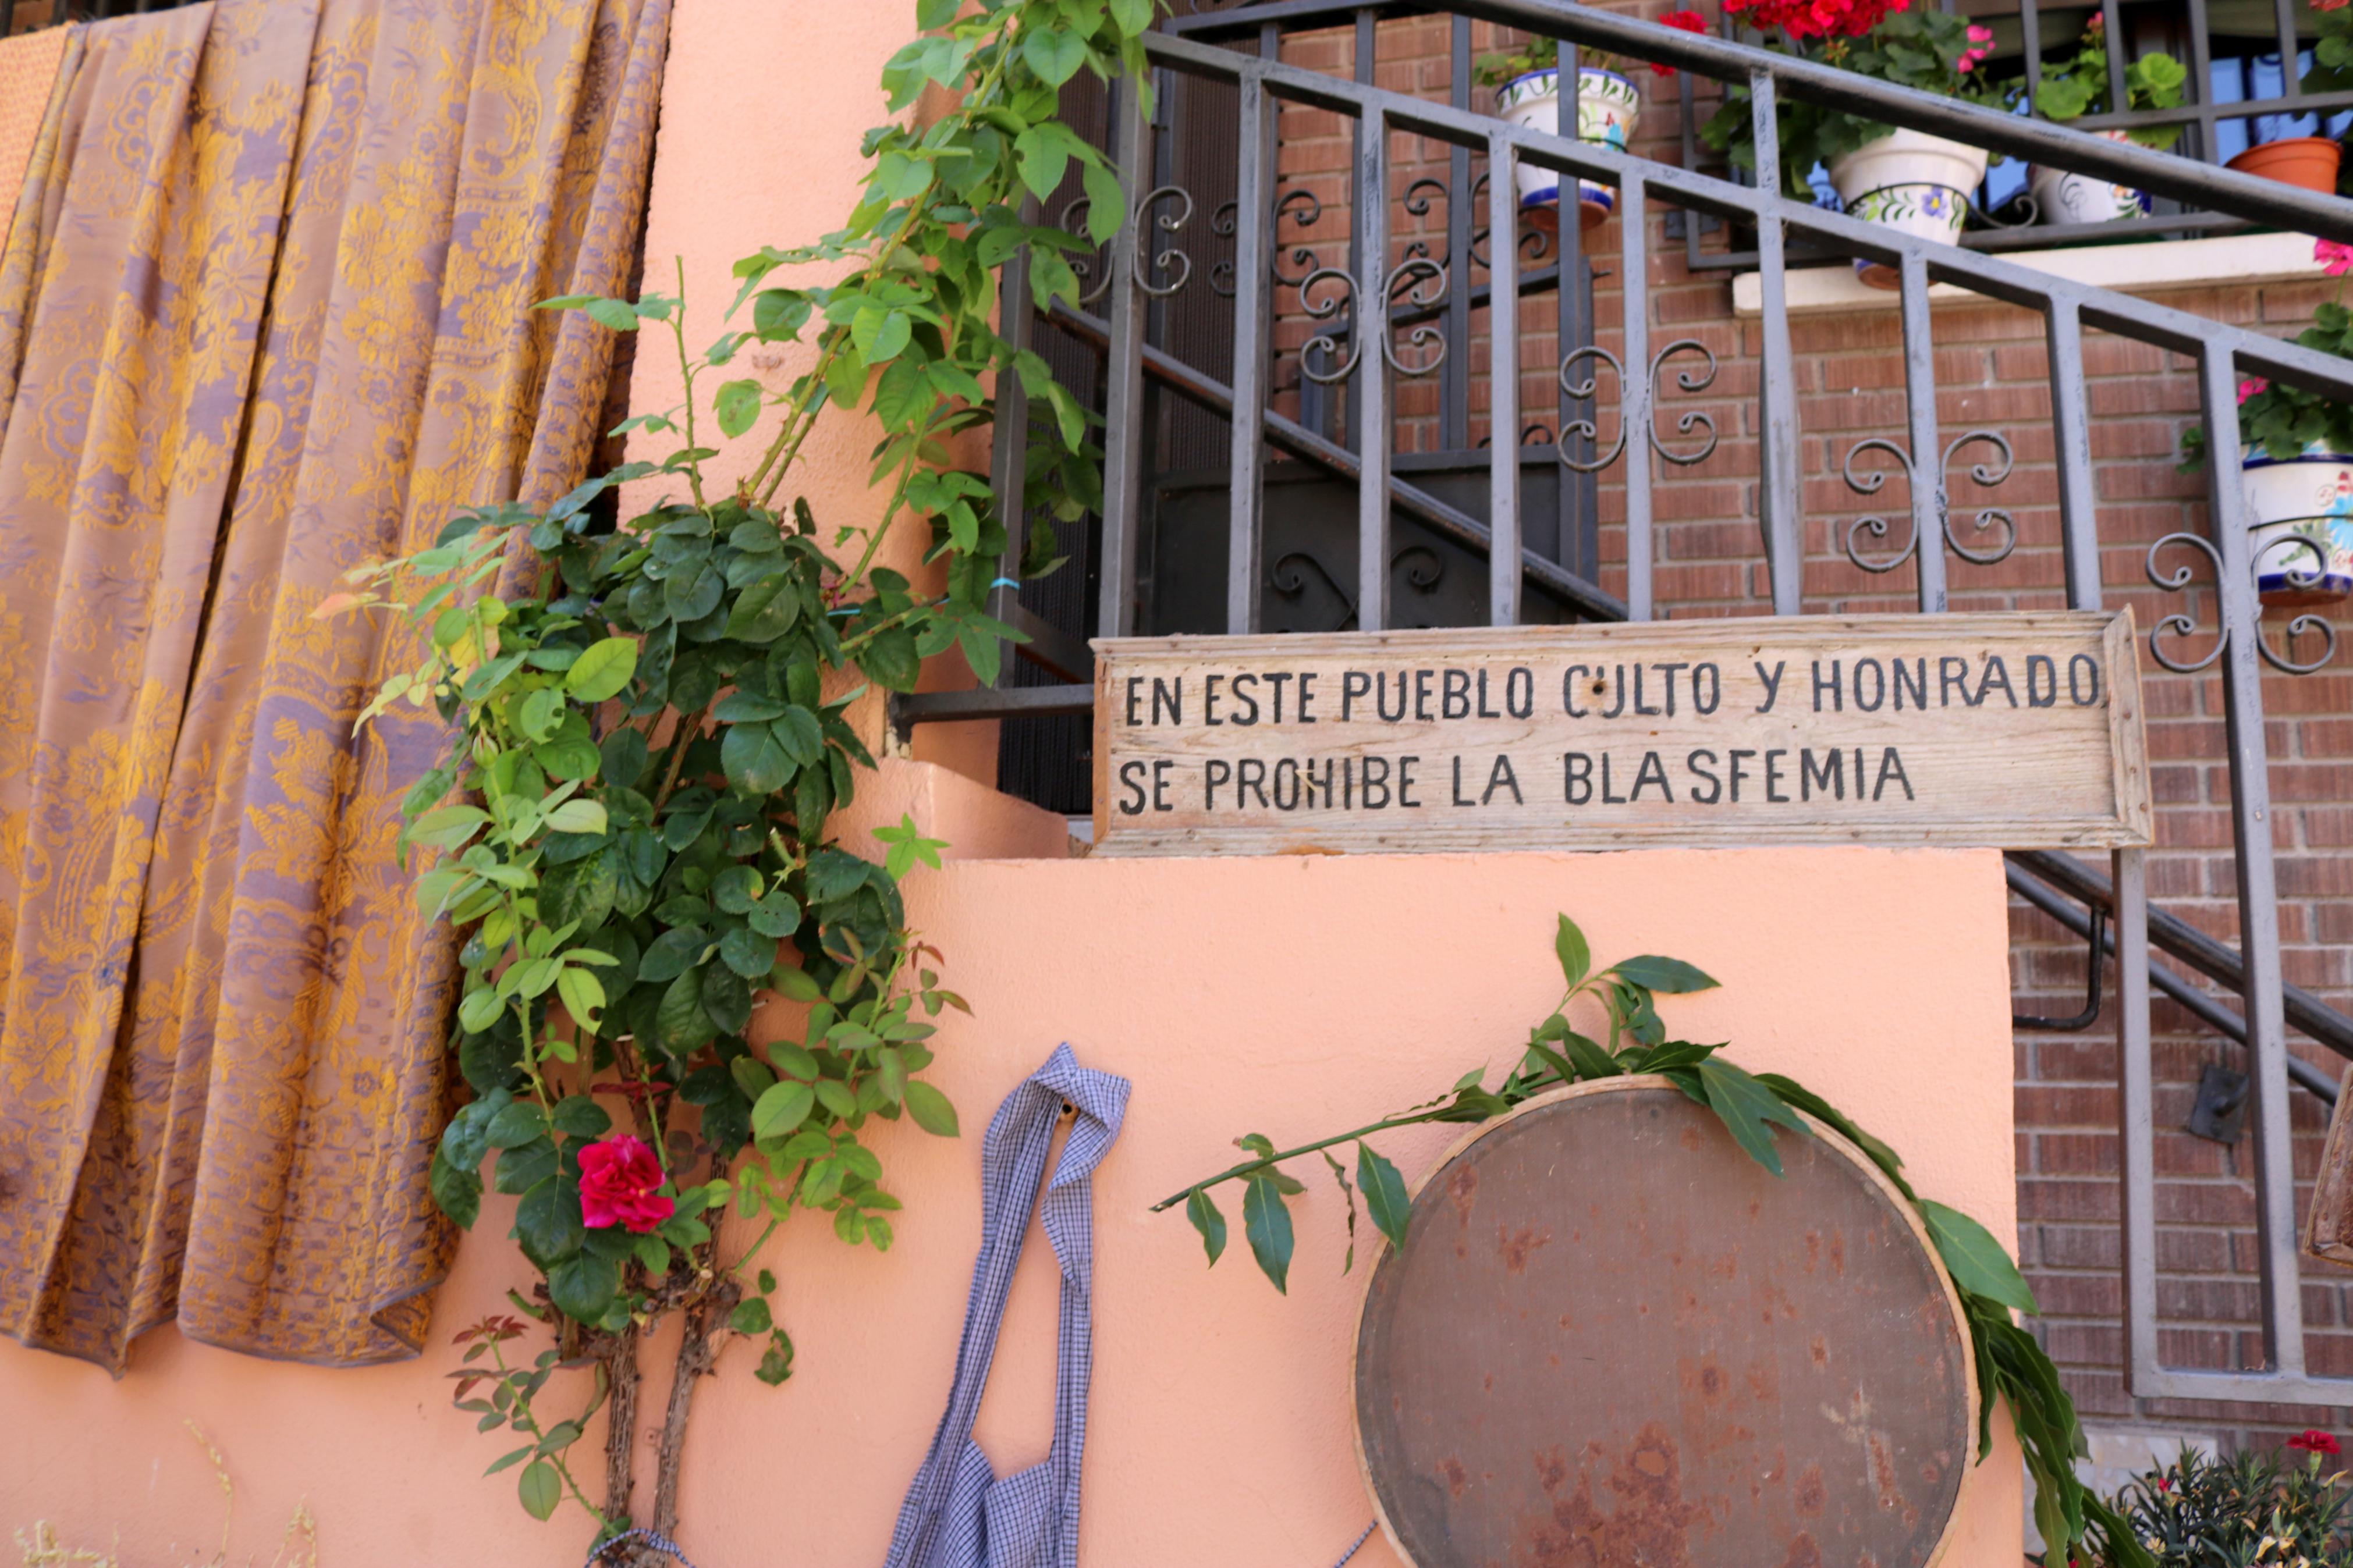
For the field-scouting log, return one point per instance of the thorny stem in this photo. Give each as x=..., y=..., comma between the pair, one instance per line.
x=688, y=728
x=678, y=331
x=529, y=1423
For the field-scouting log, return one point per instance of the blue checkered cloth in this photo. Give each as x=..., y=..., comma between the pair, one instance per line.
x=959, y=1514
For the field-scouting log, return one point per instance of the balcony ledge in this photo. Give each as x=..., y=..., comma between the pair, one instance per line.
x=2235, y=259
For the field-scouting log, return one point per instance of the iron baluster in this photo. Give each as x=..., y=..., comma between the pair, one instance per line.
x=1369, y=411
x=1634, y=270
x=1124, y=384
x=1504, y=384
x=1920, y=396
x=1253, y=325
x=1777, y=414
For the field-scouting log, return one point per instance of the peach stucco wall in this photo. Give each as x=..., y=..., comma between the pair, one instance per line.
x=1281, y=995
x=1287, y=995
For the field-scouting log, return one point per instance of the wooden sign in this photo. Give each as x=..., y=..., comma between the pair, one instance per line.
x=2016, y=730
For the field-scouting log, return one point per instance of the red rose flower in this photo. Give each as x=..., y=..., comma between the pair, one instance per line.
x=1682, y=21
x=618, y=1178
x=2314, y=1441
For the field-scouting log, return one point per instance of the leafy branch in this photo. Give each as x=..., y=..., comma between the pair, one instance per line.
x=1751, y=1107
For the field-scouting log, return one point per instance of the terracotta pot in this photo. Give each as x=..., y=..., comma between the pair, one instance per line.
x=1908, y=181
x=1607, y=107
x=2309, y=161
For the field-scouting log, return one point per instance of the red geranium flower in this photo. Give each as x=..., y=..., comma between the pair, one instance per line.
x=618, y=1178
x=2314, y=1441
x=1683, y=21
x=1816, y=18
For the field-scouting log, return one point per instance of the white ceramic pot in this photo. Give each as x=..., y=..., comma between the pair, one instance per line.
x=1908, y=181
x=2062, y=197
x=1607, y=107
x=2303, y=527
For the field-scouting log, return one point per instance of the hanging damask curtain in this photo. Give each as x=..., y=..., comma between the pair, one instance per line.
x=265, y=314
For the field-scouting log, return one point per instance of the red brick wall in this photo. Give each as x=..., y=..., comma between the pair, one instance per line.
x=1990, y=370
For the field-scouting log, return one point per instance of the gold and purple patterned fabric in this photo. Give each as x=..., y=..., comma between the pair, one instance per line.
x=266, y=315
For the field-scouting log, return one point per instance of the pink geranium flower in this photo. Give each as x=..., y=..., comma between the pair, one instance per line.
x=2334, y=259
x=618, y=1176
x=2251, y=385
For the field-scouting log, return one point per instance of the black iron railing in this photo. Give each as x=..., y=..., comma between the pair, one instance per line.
x=1374, y=328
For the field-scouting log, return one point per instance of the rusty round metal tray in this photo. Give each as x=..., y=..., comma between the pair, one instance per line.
x=1612, y=1340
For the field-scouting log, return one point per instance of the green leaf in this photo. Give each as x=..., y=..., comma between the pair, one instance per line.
x=602, y=669
x=1672, y=975
x=1203, y=1212
x=1575, y=957
x=539, y=1487
x=1975, y=1260
x=1131, y=16
x=1106, y=201
x=1748, y=1111
x=751, y=1317
x=747, y=952
x=583, y=996
x=547, y=1222
x=738, y=406
x=782, y=1108
x=933, y=1112
x=1384, y=1194
x=755, y=760
x=577, y=816
x=680, y=1020
x=584, y=1285
x=515, y=1125
x=507, y=1461
x=766, y=610
x=581, y=1117
x=1053, y=53
x=1266, y=1220
x=458, y=1193
x=1590, y=1059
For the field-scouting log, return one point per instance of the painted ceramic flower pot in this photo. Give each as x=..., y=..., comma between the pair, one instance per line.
x=2061, y=198
x=2302, y=535
x=2307, y=160
x=1911, y=182
x=1607, y=107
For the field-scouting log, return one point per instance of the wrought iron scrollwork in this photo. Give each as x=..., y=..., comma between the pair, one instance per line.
x=2184, y=626
x=1535, y=242
x=1583, y=390
x=1689, y=380
x=1984, y=474
x=1305, y=212
x=1169, y=257
x=1417, y=280
x=1691, y=419
x=1425, y=570
x=1163, y=261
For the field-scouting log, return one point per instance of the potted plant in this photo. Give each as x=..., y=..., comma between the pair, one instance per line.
x=1905, y=179
x=2297, y=453
x=2316, y=162
x=2079, y=87
x=1528, y=92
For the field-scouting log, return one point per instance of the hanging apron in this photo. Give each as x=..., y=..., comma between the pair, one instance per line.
x=959, y=1514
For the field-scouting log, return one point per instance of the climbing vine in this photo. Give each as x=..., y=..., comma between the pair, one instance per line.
x=651, y=736
x=1751, y=1106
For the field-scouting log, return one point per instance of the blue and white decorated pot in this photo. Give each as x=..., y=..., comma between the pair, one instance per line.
x=1910, y=180
x=1608, y=105
x=2062, y=197
x=2301, y=532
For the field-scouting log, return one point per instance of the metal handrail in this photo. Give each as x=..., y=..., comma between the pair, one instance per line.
x=2212, y=188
